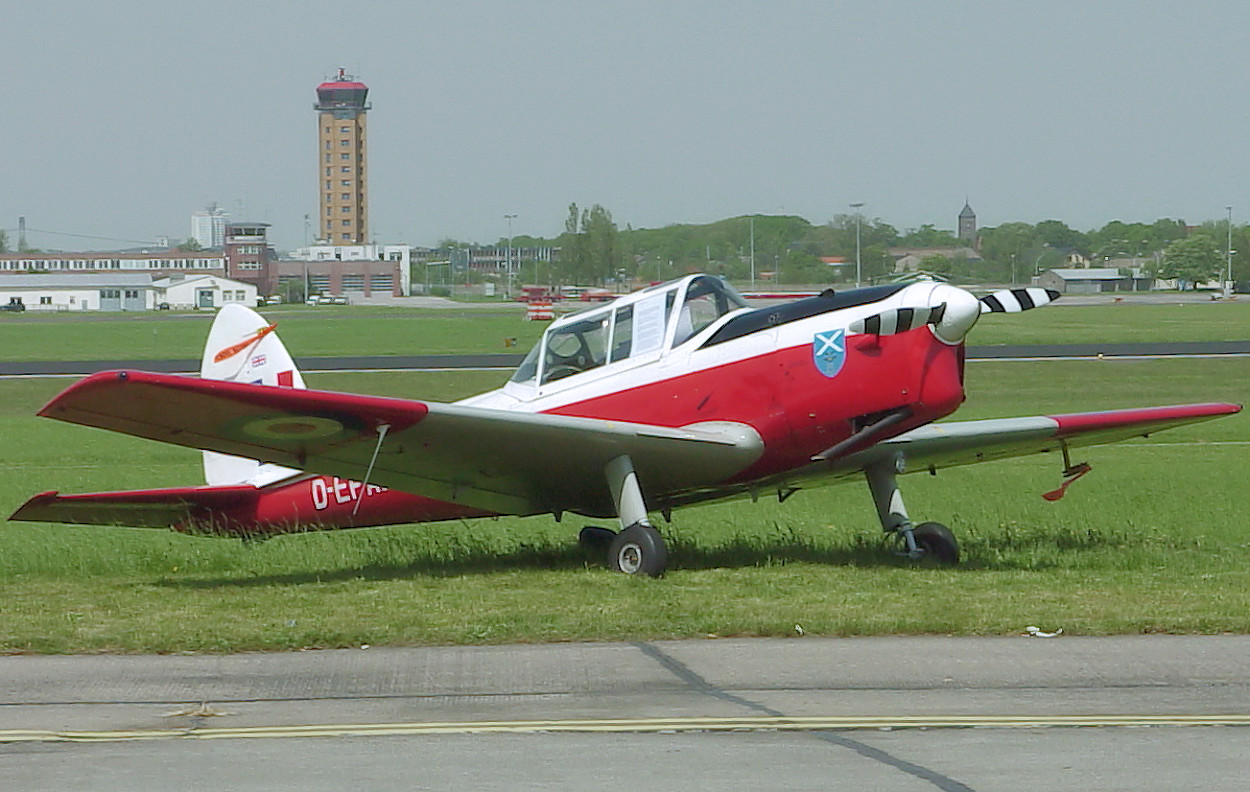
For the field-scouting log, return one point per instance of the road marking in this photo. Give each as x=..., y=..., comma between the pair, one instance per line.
x=641, y=725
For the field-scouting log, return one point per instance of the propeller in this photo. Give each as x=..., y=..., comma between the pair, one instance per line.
x=1017, y=300
x=898, y=320
x=952, y=311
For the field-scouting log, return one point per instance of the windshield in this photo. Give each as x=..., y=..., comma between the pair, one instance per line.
x=529, y=367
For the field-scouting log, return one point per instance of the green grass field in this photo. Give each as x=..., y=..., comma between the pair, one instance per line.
x=403, y=331
x=1155, y=539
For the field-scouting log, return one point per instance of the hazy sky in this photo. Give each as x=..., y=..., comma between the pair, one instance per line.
x=122, y=118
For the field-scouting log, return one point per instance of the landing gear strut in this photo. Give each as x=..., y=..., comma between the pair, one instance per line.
x=638, y=548
x=929, y=540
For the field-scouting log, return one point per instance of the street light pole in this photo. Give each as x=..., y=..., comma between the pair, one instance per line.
x=752, y=253
x=1228, y=283
x=859, y=273
x=508, y=264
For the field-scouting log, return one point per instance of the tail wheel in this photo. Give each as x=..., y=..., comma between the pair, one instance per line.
x=937, y=542
x=638, y=550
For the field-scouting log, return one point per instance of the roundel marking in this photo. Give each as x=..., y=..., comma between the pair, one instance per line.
x=285, y=427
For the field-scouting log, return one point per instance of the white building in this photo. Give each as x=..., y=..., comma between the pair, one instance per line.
x=208, y=227
x=122, y=291
x=205, y=291
x=118, y=291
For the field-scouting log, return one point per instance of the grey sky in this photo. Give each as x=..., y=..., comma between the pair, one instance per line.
x=122, y=118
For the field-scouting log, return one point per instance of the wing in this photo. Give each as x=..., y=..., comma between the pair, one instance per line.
x=160, y=508
x=496, y=460
x=951, y=444
x=967, y=442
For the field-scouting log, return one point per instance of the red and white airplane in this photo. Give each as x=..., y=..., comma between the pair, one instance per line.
x=674, y=395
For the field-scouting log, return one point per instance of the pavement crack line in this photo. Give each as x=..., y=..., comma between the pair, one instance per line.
x=701, y=685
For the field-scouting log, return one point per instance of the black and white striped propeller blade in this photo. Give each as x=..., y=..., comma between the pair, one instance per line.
x=898, y=320
x=1017, y=300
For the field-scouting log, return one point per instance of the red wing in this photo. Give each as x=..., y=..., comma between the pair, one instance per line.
x=499, y=461
x=161, y=508
x=273, y=424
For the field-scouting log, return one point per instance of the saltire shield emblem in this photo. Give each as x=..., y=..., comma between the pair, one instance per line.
x=829, y=351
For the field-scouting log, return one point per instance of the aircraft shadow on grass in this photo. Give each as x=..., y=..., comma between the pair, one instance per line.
x=998, y=554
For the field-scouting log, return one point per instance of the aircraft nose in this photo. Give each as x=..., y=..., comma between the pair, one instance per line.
x=962, y=311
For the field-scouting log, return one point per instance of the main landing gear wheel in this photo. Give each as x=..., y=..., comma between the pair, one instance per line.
x=937, y=542
x=596, y=539
x=638, y=550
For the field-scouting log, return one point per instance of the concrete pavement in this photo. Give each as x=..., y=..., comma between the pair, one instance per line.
x=905, y=713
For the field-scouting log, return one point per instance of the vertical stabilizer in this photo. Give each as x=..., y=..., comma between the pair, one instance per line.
x=243, y=347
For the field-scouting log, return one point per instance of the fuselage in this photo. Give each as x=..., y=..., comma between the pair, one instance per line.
x=689, y=352
x=791, y=372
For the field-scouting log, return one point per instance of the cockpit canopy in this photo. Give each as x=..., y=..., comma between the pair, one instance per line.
x=635, y=327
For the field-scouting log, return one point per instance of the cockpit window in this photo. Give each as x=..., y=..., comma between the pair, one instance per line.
x=576, y=347
x=707, y=299
x=634, y=330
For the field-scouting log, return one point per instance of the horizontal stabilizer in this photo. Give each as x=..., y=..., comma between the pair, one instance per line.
x=159, y=508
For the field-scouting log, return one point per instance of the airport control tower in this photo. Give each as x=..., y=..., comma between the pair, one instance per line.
x=341, y=106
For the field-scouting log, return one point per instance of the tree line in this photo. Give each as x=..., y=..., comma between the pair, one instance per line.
x=788, y=249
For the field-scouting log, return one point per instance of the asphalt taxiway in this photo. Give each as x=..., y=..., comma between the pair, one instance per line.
x=1140, y=712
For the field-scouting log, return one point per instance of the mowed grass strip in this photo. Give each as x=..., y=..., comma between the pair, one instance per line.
x=1154, y=539
x=306, y=332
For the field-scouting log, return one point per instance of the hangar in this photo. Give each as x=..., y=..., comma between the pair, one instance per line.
x=115, y=291
x=1094, y=280
x=121, y=291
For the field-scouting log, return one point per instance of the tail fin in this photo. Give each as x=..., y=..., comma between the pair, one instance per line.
x=243, y=347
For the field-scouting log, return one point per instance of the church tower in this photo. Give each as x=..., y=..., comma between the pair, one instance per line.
x=968, y=224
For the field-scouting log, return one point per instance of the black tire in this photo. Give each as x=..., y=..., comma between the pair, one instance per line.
x=596, y=539
x=638, y=550
x=937, y=542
